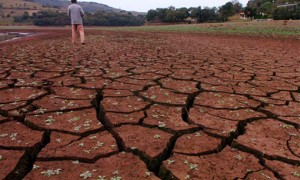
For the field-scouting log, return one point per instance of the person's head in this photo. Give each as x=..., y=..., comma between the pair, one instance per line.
x=73, y=1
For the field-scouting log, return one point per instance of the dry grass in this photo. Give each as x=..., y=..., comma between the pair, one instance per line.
x=18, y=4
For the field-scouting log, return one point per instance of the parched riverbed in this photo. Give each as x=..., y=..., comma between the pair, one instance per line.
x=149, y=105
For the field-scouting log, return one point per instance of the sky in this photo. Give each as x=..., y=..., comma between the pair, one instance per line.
x=145, y=5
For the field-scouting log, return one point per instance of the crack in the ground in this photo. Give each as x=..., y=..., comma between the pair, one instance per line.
x=26, y=162
x=171, y=131
x=289, y=147
x=74, y=158
x=153, y=164
x=259, y=154
x=190, y=103
x=173, y=66
x=101, y=115
x=275, y=173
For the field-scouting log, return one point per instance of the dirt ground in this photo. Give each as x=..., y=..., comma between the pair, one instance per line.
x=142, y=105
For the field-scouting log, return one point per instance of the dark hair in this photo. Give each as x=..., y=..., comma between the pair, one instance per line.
x=73, y=1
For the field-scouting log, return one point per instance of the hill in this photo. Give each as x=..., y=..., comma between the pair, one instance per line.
x=10, y=9
x=90, y=7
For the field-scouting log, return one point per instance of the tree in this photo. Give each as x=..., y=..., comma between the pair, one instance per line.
x=172, y=8
x=152, y=15
x=237, y=6
x=227, y=10
x=182, y=14
x=193, y=12
x=266, y=8
x=26, y=15
x=284, y=13
x=162, y=13
x=171, y=16
x=250, y=12
x=205, y=15
x=208, y=15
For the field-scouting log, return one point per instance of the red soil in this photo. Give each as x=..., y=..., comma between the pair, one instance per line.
x=142, y=105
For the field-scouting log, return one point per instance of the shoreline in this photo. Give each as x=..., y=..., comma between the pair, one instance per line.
x=11, y=36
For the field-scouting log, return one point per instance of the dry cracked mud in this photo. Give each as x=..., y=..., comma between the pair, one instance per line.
x=141, y=105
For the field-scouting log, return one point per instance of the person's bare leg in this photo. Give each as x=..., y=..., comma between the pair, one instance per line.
x=81, y=32
x=74, y=35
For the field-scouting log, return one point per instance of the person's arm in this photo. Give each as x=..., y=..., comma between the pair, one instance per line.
x=81, y=12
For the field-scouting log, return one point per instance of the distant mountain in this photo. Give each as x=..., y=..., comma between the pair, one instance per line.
x=16, y=11
x=90, y=7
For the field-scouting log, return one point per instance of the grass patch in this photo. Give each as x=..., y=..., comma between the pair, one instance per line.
x=261, y=28
x=245, y=28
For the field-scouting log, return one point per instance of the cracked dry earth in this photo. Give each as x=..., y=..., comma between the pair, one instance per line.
x=150, y=106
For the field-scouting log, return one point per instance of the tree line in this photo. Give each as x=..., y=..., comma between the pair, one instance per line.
x=262, y=9
x=255, y=9
x=172, y=14
x=56, y=18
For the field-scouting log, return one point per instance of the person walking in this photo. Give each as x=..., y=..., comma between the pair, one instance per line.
x=76, y=13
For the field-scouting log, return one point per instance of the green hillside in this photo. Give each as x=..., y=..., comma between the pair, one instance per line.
x=90, y=7
x=276, y=9
x=12, y=8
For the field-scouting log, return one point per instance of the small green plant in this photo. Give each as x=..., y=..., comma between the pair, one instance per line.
x=285, y=126
x=239, y=157
x=296, y=174
x=75, y=162
x=51, y=172
x=86, y=174
x=148, y=173
x=170, y=161
x=35, y=167
x=101, y=178
x=191, y=166
x=161, y=124
x=157, y=136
